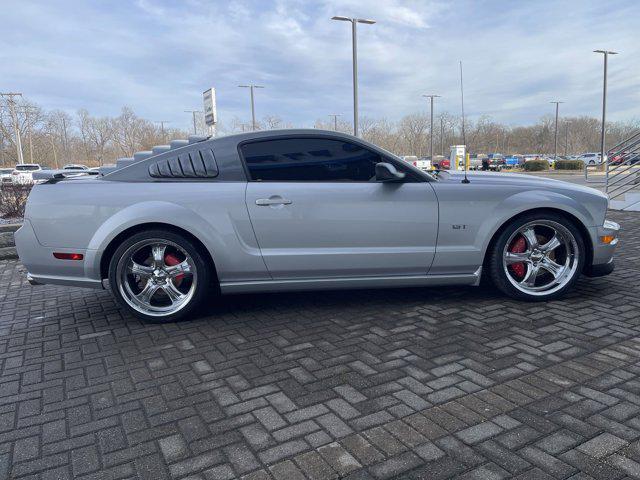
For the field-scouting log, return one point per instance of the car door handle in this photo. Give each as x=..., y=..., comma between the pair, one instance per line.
x=275, y=200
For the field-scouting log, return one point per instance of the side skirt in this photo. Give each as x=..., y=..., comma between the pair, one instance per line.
x=350, y=283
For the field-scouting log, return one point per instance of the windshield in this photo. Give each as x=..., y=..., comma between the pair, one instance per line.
x=6, y=170
x=27, y=168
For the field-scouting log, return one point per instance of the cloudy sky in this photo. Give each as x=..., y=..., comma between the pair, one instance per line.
x=157, y=56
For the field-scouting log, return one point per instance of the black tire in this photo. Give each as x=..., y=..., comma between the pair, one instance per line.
x=497, y=270
x=203, y=274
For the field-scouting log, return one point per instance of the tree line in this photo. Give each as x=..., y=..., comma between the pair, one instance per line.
x=56, y=137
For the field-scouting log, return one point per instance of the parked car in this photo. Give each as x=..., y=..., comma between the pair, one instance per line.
x=591, y=158
x=630, y=158
x=23, y=172
x=475, y=162
x=286, y=210
x=496, y=162
x=512, y=161
x=423, y=163
x=443, y=164
x=74, y=166
x=5, y=176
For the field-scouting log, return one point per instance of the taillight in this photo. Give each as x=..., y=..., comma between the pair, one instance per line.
x=68, y=256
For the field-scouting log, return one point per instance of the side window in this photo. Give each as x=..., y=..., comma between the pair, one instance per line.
x=309, y=160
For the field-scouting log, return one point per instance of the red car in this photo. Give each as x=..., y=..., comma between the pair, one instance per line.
x=443, y=164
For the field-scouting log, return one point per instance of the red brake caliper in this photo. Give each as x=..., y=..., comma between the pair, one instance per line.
x=171, y=260
x=518, y=246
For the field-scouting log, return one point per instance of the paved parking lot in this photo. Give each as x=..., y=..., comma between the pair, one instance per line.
x=414, y=383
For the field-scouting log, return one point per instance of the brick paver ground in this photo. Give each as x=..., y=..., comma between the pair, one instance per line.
x=414, y=383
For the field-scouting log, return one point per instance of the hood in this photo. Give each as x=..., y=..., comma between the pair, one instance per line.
x=499, y=178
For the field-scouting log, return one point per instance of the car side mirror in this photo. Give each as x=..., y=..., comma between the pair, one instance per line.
x=386, y=172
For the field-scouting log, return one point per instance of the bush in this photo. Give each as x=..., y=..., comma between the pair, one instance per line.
x=569, y=165
x=13, y=198
x=536, y=165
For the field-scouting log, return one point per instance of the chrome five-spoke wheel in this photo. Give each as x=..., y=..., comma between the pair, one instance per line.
x=541, y=257
x=156, y=277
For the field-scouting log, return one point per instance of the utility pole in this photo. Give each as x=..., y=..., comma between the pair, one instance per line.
x=441, y=136
x=566, y=138
x=162, y=122
x=253, y=107
x=335, y=120
x=12, y=109
x=555, y=136
x=354, y=60
x=464, y=136
x=431, y=97
x=193, y=113
x=604, y=111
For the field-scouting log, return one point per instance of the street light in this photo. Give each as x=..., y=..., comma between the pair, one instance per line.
x=253, y=109
x=335, y=120
x=354, y=46
x=431, y=97
x=604, y=109
x=555, y=138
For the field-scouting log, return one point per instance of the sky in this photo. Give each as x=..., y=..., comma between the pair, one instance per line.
x=158, y=56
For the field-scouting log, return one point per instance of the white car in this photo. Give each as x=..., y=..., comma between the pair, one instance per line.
x=591, y=158
x=421, y=163
x=23, y=173
x=5, y=176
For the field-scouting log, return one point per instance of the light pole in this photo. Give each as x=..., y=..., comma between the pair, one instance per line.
x=431, y=97
x=354, y=46
x=606, y=54
x=335, y=120
x=193, y=113
x=464, y=136
x=441, y=136
x=555, y=136
x=253, y=108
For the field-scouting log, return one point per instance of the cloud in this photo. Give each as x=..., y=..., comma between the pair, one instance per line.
x=158, y=56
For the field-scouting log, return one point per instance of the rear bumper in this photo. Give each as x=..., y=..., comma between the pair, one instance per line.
x=43, y=268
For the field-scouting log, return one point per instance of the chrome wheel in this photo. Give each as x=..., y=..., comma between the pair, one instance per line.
x=156, y=277
x=541, y=257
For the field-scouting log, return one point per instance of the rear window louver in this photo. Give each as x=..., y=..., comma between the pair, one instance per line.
x=198, y=164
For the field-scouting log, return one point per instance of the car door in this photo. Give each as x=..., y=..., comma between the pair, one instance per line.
x=318, y=211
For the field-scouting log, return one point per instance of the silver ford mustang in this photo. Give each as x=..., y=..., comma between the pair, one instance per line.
x=303, y=210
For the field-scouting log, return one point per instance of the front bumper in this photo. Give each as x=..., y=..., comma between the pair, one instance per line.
x=602, y=262
x=600, y=270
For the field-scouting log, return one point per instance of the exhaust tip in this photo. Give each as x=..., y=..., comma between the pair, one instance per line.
x=31, y=280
